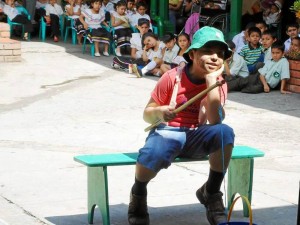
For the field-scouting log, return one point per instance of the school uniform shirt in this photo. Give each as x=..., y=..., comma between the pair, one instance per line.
x=93, y=20
x=136, y=42
x=135, y=17
x=11, y=12
x=170, y=54
x=40, y=5
x=238, y=66
x=239, y=41
x=268, y=54
x=56, y=9
x=287, y=44
x=178, y=59
x=151, y=54
x=109, y=7
x=275, y=71
x=119, y=18
x=75, y=10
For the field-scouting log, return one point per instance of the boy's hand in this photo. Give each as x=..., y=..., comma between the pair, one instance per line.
x=285, y=92
x=266, y=88
x=86, y=26
x=167, y=113
x=213, y=76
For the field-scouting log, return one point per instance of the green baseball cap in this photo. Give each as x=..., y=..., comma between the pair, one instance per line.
x=207, y=35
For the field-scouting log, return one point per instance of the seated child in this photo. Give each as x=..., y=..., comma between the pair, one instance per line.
x=268, y=77
x=252, y=52
x=267, y=39
x=171, y=52
x=235, y=66
x=40, y=11
x=92, y=19
x=153, y=53
x=272, y=15
x=136, y=39
x=120, y=22
x=2, y=15
x=241, y=39
x=130, y=8
x=53, y=12
x=294, y=51
x=262, y=26
x=107, y=7
x=13, y=14
x=292, y=30
x=183, y=41
x=141, y=8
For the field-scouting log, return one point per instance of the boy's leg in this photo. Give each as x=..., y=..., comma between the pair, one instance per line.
x=208, y=140
x=54, y=25
x=152, y=158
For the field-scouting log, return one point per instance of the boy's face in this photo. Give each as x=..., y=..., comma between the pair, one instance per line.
x=254, y=38
x=141, y=10
x=207, y=59
x=129, y=5
x=277, y=54
x=292, y=32
x=170, y=44
x=267, y=40
x=295, y=45
x=274, y=9
x=144, y=28
x=261, y=26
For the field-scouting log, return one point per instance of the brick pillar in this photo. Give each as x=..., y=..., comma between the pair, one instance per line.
x=10, y=50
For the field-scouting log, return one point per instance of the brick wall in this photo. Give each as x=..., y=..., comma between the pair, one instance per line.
x=293, y=84
x=10, y=50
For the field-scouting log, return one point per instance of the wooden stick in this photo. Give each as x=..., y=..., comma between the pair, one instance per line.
x=189, y=102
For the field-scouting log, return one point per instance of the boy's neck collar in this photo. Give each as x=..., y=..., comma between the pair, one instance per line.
x=251, y=47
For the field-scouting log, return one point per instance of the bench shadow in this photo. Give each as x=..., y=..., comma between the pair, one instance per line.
x=192, y=214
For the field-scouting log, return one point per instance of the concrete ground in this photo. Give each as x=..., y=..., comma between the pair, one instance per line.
x=58, y=103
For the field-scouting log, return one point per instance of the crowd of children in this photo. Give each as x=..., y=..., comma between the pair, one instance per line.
x=257, y=50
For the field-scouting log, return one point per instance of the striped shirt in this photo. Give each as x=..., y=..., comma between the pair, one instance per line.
x=250, y=54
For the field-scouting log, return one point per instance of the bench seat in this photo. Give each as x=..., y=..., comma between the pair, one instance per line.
x=240, y=176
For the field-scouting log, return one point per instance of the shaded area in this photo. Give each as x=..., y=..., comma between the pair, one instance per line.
x=192, y=214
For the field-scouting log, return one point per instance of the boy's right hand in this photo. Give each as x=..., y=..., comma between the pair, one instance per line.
x=266, y=88
x=167, y=113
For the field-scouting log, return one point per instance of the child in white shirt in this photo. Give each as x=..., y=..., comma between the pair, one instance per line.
x=136, y=39
x=141, y=8
x=53, y=12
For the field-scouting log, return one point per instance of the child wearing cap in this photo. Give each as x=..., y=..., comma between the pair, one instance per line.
x=187, y=134
x=272, y=16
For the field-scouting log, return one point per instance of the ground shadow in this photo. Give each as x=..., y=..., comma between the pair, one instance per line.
x=193, y=214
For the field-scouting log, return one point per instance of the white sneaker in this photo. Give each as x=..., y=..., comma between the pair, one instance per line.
x=118, y=53
x=105, y=54
x=97, y=54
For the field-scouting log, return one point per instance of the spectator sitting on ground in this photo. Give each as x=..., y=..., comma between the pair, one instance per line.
x=136, y=39
x=267, y=39
x=268, y=77
x=183, y=41
x=153, y=53
x=235, y=66
x=252, y=52
x=241, y=39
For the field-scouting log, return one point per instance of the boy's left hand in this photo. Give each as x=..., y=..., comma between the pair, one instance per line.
x=285, y=92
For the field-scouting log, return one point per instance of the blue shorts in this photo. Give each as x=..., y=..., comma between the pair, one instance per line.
x=165, y=143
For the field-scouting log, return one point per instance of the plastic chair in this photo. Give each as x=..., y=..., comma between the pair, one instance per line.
x=43, y=27
x=11, y=24
x=92, y=47
x=71, y=22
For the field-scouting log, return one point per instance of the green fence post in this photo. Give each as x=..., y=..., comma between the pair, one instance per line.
x=235, y=17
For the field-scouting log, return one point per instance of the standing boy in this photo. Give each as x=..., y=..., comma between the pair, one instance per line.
x=187, y=134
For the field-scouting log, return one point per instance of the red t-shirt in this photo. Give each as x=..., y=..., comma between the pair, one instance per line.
x=189, y=117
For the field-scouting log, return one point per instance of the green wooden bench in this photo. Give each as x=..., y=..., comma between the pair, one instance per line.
x=240, y=176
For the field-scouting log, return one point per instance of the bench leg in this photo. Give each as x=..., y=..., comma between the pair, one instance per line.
x=240, y=177
x=98, y=193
